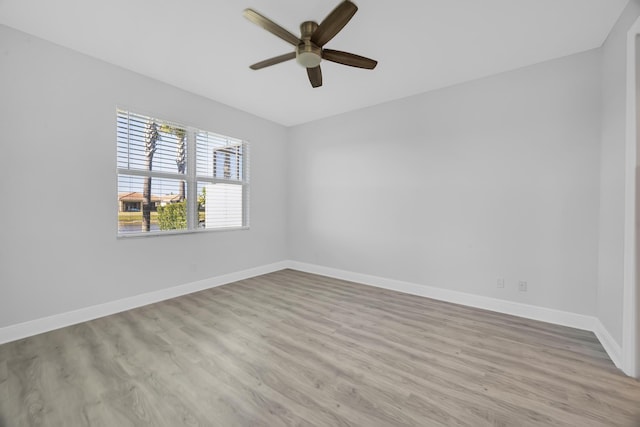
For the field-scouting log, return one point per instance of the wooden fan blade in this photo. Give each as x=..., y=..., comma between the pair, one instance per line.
x=315, y=76
x=346, y=58
x=273, y=61
x=333, y=23
x=270, y=26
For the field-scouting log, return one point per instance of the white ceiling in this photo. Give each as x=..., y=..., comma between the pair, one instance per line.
x=206, y=47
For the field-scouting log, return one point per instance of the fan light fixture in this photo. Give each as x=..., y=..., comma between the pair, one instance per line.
x=308, y=59
x=308, y=55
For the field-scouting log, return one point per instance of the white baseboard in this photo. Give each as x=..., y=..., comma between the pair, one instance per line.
x=612, y=348
x=558, y=317
x=579, y=321
x=46, y=324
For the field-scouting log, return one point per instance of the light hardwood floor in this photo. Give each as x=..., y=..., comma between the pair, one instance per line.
x=291, y=348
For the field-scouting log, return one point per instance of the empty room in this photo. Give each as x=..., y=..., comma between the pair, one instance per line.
x=322, y=213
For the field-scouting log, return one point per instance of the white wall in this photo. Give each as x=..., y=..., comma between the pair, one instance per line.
x=612, y=177
x=457, y=187
x=58, y=246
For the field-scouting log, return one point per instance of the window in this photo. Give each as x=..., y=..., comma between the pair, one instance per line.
x=173, y=177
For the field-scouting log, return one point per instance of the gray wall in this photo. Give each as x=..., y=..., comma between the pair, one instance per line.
x=58, y=249
x=501, y=177
x=457, y=187
x=612, y=177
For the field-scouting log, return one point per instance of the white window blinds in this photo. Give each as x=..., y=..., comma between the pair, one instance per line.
x=222, y=175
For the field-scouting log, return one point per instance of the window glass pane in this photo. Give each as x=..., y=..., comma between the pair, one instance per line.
x=145, y=143
x=166, y=207
x=220, y=205
x=219, y=157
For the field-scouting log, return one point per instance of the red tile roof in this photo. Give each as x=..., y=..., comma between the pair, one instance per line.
x=136, y=196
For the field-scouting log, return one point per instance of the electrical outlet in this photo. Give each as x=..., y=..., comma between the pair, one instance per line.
x=522, y=286
x=500, y=283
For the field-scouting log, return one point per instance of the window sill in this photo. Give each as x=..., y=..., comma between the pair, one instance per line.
x=177, y=232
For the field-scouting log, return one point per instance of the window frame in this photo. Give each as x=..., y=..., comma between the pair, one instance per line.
x=191, y=179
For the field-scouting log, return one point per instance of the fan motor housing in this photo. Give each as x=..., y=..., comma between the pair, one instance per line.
x=308, y=54
x=307, y=28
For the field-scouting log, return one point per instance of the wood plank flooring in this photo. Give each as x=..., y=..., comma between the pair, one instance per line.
x=291, y=348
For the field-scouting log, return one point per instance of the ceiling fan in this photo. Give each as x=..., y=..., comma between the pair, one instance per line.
x=310, y=45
